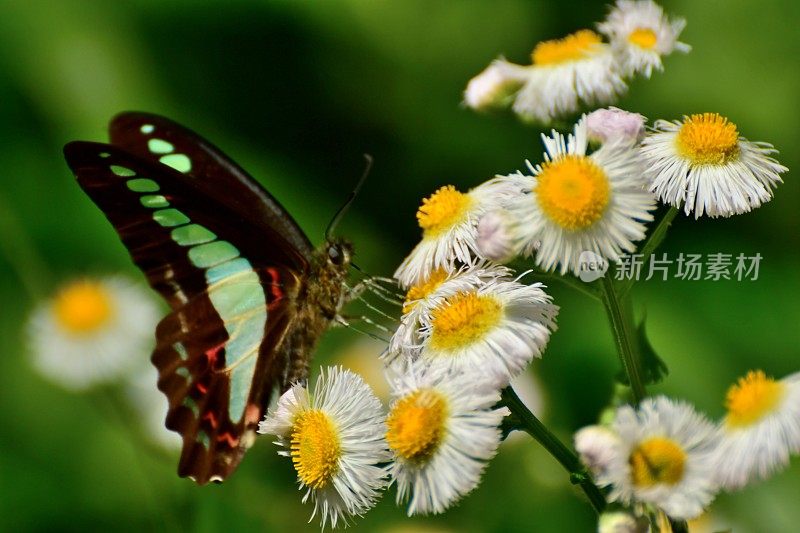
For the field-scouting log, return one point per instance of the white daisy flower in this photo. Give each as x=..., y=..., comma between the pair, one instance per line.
x=761, y=429
x=492, y=87
x=449, y=221
x=152, y=406
x=622, y=522
x=613, y=124
x=492, y=330
x=705, y=165
x=334, y=437
x=641, y=34
x=93, y=331
x=665, y=458
x=597, y=447
x=566, y=73
x=407, y=339
x=442, y=430
x=577, y=202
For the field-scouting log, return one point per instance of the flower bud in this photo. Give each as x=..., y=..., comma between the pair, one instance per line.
x=491, y=87
x=495, y=240
x=605, y=125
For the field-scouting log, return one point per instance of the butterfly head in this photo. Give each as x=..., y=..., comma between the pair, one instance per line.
x=339, y=253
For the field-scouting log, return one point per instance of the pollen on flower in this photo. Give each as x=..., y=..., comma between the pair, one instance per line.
x=83, y=307
x=751, y=398
x=708, y=139
x=463, y=319
x=573, y=191
x=573, y=47
x=442, y=210
x=643, y=38
x=424, y=288
x=315, y=448
x=657, y=460
x=416, y=425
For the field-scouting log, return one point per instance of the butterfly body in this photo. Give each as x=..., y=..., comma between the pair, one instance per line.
x=250, y=296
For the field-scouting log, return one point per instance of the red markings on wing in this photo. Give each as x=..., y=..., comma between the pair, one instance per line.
x=229, y=439
x=212, y=419
x=203, y=389
x=275, y=290
x=212, y=354
x=252, y=414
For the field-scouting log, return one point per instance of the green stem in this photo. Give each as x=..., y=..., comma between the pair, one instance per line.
x=678, y=526
x=650, y=245
x=20, y=252
x=622, y=325
x=534, y=427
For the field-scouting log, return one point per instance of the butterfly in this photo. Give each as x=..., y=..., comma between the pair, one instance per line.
x=249, y=295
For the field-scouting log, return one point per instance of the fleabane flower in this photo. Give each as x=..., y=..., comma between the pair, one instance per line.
x=597, y=447
x=613, y=124
x=152, y=406
x=641, y=34
x=761, y=429
x=449, y=219
x=704, y=165
x=94, y=330
x=576, y=202
x=492, y=330
x=492, y=87
x=622, y=522
x=442, y=431
x=407, y=339
x=495, y=237
x=335, y=438
x=565, y=74
x=665, y=458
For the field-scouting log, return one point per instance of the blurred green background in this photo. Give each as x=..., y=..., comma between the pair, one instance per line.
x=296, y=92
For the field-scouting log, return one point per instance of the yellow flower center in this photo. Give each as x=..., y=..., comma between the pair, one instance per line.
x=416, y=425
x=315, y=448
x=643, y=38
x=657, y=461
x=83, y=307
x=423, y=289
x=751, y=398
x=464, y=319
x=442, y=210
x=573, y=191
x=573, y=47
x=708, y=139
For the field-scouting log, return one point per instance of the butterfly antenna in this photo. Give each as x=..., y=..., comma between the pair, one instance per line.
x=342, y=210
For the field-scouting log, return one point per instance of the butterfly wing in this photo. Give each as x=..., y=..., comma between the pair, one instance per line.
x=231, y=279
x=157, y=138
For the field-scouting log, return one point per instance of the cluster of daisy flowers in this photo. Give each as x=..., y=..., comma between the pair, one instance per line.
x=581, y=69
x=665, y=455
x=463, y=337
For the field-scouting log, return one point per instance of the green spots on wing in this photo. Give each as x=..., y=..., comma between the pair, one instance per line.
x=227, y=269
x=191, y=235
x=212, y=253
x=104, y=154
x=159, y=146
x=238, y=298
x=147, y=129
x=142, y=185
x=181, y=350
x=183, y=372
x=203, y=439
x=154, y=201
x=122, y=171
x=170, y=217
x=179, y=162
x=191, y=404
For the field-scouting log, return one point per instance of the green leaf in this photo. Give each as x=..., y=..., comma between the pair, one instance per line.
x=654, y=369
